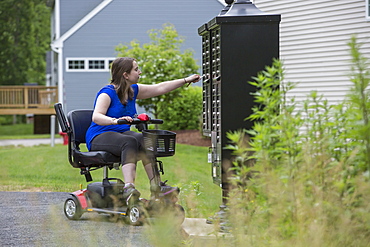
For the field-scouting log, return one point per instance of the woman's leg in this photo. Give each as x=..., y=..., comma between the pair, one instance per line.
x=156, y=185
x=142, y=155
x=147, y=162
x=129, y=173
x=121, y=145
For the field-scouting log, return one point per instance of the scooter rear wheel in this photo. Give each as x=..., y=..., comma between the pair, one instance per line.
x=72, y=209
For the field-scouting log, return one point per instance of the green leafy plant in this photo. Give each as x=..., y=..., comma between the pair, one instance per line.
x=303, y=178
x=359, y=98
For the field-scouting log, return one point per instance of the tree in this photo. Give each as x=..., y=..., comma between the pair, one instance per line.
x=160, y=60
x=24, y=40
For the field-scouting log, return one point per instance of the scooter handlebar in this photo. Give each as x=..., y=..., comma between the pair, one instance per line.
x=138, y=121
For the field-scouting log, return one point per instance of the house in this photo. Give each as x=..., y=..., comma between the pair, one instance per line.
x=313, y=42
x=85, y=34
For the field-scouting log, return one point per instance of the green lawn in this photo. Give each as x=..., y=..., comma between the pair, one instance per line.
x=19, y=131
x=45, y=168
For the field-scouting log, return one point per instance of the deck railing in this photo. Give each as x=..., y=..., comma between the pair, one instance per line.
x=27, y=97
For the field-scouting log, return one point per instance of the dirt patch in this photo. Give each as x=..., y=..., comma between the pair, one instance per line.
x=192, y=137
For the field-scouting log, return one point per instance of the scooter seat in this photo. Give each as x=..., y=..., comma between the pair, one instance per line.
x=94, y=159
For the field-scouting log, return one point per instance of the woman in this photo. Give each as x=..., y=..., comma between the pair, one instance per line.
x=118, y=101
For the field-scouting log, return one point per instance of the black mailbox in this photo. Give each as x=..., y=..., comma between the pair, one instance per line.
x=236, y=45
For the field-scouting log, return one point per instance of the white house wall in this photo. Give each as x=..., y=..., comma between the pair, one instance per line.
x=122, y=21
x=313, y=42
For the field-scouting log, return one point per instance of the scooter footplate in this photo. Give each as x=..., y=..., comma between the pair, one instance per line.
x=121, y=211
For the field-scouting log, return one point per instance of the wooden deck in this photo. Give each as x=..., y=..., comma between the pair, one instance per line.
x=19, y=100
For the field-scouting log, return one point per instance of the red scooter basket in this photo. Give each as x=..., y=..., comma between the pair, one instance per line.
x=160, y=142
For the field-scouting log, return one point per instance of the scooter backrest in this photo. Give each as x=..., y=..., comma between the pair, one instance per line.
x=61, y=118
x=80, y=121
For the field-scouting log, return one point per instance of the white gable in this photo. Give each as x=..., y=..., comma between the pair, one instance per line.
x=59, y=42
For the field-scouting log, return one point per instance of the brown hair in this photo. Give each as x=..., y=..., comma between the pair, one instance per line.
x=119, y=66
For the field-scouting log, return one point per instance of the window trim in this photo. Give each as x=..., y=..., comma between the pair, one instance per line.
x=86, y=63
x=367, y=10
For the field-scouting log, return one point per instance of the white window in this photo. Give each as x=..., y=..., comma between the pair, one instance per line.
x=96, y=64
x=88, y=64
x=76, y=64
x=368, y=10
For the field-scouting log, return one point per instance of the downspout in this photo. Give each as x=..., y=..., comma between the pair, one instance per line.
x=57, y=19
x=58, y=48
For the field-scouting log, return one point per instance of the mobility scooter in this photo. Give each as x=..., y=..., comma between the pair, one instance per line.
x=107, y=196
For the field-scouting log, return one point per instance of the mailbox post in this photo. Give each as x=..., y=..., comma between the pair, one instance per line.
x=236, y=45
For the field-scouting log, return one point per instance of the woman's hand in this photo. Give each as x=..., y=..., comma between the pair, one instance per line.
x=192, y=79
x=127, y=118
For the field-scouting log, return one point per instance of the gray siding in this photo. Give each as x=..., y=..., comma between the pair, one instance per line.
x=120, y=22
x=72, y=11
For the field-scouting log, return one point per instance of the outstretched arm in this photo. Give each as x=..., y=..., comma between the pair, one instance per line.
x=148, y=91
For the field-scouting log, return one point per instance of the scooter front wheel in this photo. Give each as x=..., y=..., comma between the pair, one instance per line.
x=135, y=215
x=72, y=209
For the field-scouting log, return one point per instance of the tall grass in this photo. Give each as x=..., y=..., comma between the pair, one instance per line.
x=307, y=180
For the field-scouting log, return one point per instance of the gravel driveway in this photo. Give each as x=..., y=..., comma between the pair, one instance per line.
x=37, y=219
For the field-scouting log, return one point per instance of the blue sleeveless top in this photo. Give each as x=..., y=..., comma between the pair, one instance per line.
x=115, y=110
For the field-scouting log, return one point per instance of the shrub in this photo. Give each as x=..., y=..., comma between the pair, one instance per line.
x=182, y=112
